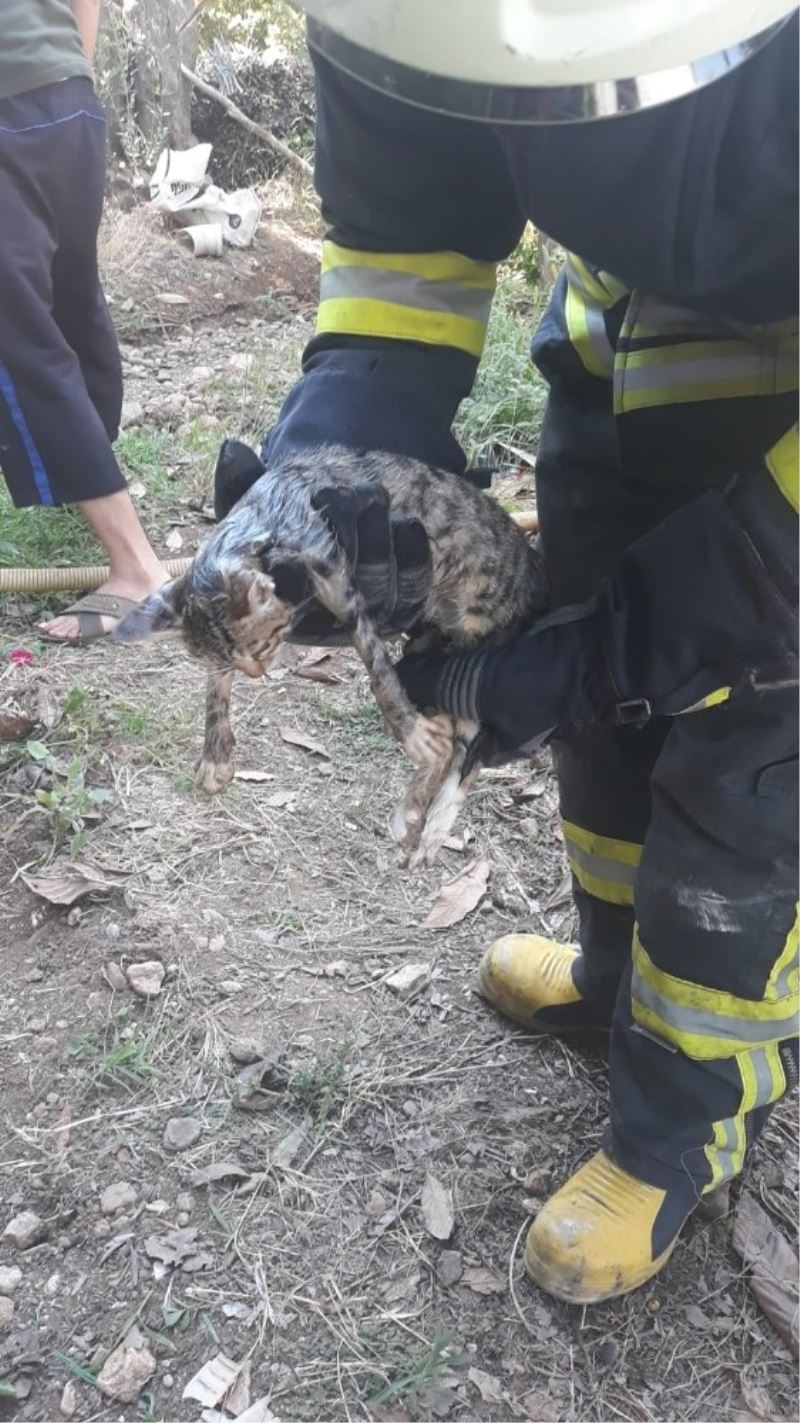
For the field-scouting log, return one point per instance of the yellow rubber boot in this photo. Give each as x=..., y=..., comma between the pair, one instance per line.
x=603, y=1234
x=531, y=980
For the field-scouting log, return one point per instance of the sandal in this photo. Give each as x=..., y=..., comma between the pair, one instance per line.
x=90, y=612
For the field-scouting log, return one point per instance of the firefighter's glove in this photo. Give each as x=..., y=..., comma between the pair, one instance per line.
x=550, y=681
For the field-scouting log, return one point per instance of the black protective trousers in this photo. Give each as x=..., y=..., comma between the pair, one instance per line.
x=60, y=370
x=682, y=838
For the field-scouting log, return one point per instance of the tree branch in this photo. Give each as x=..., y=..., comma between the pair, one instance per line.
x=241, y=118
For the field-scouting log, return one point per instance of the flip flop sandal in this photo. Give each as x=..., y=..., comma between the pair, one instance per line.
x=90, y=612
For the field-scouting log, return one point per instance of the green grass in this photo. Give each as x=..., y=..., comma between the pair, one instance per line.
x=319, y=1086
x=44, y=538
x=507, y=403
x=121, y=1059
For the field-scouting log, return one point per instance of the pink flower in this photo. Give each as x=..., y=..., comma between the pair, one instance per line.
x=21, y=657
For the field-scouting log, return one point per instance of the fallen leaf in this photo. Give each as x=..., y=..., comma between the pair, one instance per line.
x=237, y=1398
x=258, y=1412
x=257, y=1084
x=487, y=1385
x=459, y=896
x=697, y=1317
x=15, y=726
x=68, y=880
x=290, y=1145
x=299, y=738
x=237, y=1309
x=773, y=1267
x=482, y=1281
x=280, y=800
x=62, y=1131
x=115, y=1243
x=212, y=1382
x=174, y=540
x=437, y=1209
x=311, y=673
x=245, y=775
x=178, y=1249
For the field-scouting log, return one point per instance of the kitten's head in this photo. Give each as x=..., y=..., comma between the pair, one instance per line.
x=227, y=612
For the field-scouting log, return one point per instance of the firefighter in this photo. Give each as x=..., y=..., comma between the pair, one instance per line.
x=658, y=145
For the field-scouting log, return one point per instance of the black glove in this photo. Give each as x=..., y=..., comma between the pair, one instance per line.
x=691, y=611
x=390, y=558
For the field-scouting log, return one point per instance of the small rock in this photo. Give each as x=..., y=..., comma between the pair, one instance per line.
x=168, y=1381
x=52, y=1283
x=376, y=1205
x=25, y=1229
x=183, y=1218
x=112, y=931
x=185, y=1202
x=409, y=1109
x=74, y=917
x=246, y=1051
x=37, y=1025
x=216, y=943
x=6, y=1311
x=101, y=1228
x=230, y=985
x=450, y=1267
x=406, y=980
x=132, y=413
x=181, y=1133
x=146, y=978
x=125, y=1373
x=119, y=1196
x=10, y=1277
x=69, y=1400
x=115, y=978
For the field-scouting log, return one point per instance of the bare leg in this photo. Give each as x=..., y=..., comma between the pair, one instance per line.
x=134, y=569
x=215, y=767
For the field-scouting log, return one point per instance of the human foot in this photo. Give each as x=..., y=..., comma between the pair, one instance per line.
x=72, y=626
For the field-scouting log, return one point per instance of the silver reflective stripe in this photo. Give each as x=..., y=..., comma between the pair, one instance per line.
x=600, y=865
x=693, y=1022
x=596, y=328
x=765, y=1083
x=405, y=289
x=782, y=984
x=761, y=369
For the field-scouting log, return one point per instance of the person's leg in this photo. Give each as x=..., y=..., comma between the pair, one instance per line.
x=589, y=513
x=701, y=1045
x=54, y=442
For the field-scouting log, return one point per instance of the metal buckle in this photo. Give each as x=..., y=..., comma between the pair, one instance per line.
x=634, y=712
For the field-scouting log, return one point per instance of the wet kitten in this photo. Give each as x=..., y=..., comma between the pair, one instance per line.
x=486, y=583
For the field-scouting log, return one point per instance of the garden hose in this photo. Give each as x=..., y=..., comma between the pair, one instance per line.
x=59, y=580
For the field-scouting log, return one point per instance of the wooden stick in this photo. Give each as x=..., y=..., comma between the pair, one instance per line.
x=241, y=118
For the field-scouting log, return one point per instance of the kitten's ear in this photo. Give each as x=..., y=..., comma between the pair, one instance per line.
x=160, y=612
x=250, y=592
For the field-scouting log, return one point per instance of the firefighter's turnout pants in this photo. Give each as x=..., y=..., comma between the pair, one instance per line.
x=682, y=834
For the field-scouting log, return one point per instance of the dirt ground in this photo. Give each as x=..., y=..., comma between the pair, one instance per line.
x=322, y=1098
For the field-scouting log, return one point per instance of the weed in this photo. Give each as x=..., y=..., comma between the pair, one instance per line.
x=68, y=801
x=507, y=403
x=320, y=1084
x=41, y=538
x=423, y=1375
x=123, y=1060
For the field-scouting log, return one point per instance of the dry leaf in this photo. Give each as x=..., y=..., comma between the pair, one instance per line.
x=68, y=880
x=246, y=775
x=483, y=1281
x=312, y=673
x=15, y=726
x=459, y=896
x=279, y=800
x=299, y=738
x=212, y=1382
x=61, y=1133
x=487, y=1385
x=697, y=1317
x=773, y=1266
x=258, y=1412
x=219, y=1171
x=437, y=1209
x=237, y=1398
x=178, y=1248
x=290, y=1145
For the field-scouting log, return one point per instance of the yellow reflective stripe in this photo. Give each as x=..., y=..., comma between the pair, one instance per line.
x=361, y=316
x=706, y=1022
x=588, y=295
x=782, y=462
x=763, y=1081
x=702, y=370
x=712, y=700
x=783, y=981
x=439, y=298
x=432, y=266
x=604, y=867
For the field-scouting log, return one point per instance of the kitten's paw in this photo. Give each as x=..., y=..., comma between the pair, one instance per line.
x=430, y=741
x=213, y=776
